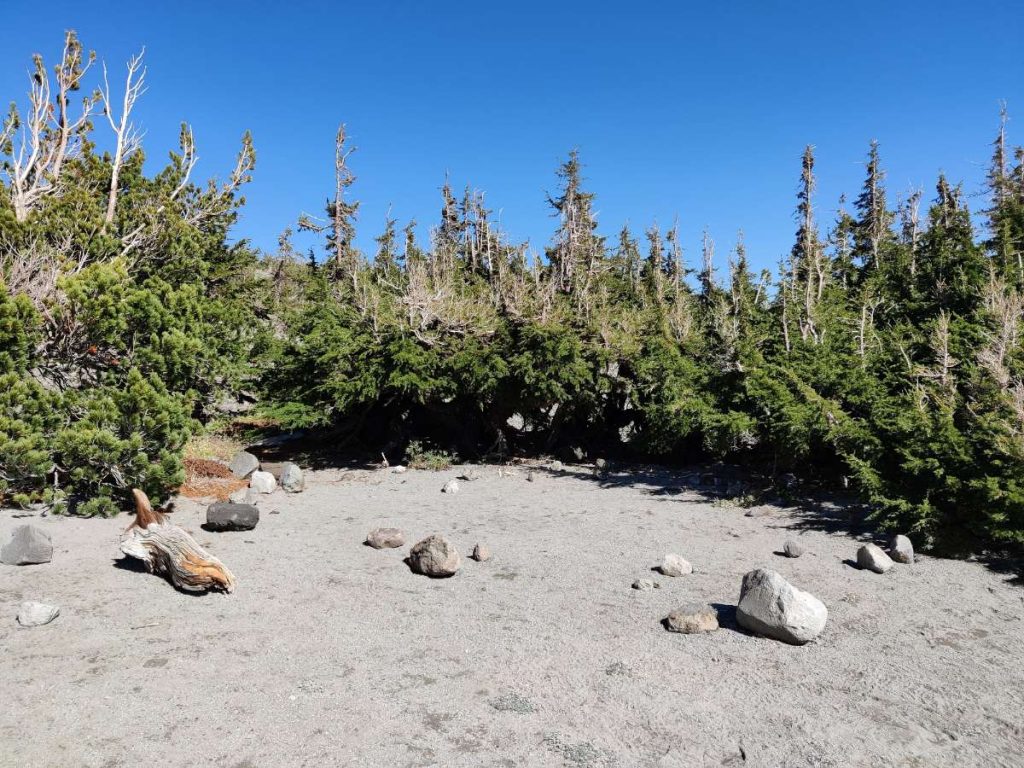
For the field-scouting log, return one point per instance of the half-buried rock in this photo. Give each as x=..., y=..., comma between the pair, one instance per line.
x=28, y=545
x=692, y=619
x=870, y=557
x=385, y=538
x=228, y=516
x=771, y=606
x=435, y=556
x=32, y=614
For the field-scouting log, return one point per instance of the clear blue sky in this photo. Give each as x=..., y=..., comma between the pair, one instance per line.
x=699, y=110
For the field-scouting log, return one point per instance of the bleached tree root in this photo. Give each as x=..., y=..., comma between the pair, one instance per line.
x=169, y=551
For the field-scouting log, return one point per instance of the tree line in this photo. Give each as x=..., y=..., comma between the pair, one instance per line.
x=884, y=353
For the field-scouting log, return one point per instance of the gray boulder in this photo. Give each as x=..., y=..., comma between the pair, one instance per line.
x=901, y=550
x=228, y=516
x=32, y=614
x=870, y=557
x=792, y=549
x=28, y=545
x=292, y=479
x=385, y=538
x=452, y=486
x=771, y=606
x=435, y=556
x=243, y=464
x=674, y=565
x=692, y=619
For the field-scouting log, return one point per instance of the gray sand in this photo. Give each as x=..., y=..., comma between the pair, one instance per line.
x=331, y=653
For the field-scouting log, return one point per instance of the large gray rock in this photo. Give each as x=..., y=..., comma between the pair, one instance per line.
x=435, y=556
x=292, y=479
x=674, y=565
x=262, y=482
x=771, y=606
x=228, y=516
x=385, y=538
x=28, y=545
x=243, y=464
x=692, y=619
x=870, y=557
x=32, y=614
x=901, y=550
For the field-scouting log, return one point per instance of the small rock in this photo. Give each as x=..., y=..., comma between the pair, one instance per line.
x=399, y=469
x=470, y=475
x=435, y=556
x=243, y=464
x=292, y=480
x=262, y=482
x=674, y=565
x=228, y=516
x=771, y=606
x=452, y=486
x=386, y=538
x=243, y=496
x=901, y=550
x=870, y=557
x=530, y=476
x=792, y=549
x=32, y=614
x=556, y=466
x=645, y=585
x=481, y=553
x=28, y=545
x=692, y=619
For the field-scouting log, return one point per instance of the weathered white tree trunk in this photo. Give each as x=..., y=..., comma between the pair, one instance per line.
x=168, y=550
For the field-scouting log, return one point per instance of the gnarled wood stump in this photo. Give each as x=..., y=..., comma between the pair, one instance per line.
x=168, y=550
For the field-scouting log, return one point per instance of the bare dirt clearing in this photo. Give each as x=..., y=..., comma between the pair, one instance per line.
x=331, y=652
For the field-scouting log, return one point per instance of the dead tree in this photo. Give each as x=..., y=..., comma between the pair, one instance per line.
x=127, y=138
x=169, y=551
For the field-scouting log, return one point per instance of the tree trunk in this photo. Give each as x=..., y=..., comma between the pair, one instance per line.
x=169, y=551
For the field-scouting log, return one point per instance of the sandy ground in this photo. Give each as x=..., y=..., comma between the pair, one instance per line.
x=334, y=654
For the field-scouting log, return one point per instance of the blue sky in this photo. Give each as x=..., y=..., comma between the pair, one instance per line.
x=699, y=111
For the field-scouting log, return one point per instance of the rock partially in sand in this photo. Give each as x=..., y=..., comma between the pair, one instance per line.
x=470, y=475
x=769, y=605
x=262, y=482
x=481, y=553
x=556, y=466
x=646, y=585
x=452, y=486
x=399, y=469
x=870, y=557
x=386, y=538
x=243, y=496
x=435, y=556
x=792, y=549
x=292, y=479
x=531, y=476
x=28, y=545
x=243, y=464
x=228, y=516
x=692, y=619
x=674, y=565
x=32, y=614
x=901, y=550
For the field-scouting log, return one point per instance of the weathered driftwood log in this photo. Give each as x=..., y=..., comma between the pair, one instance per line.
x=168, y=550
